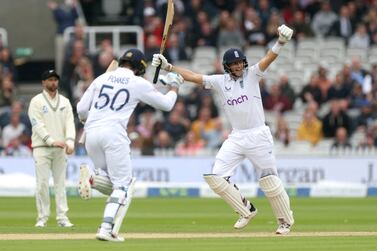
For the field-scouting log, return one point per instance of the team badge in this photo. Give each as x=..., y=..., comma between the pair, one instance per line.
x=241, y=84
x=44, y=109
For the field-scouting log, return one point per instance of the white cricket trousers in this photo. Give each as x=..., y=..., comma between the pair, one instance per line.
x=109, y=149
x=255, y=144
x=50, y=160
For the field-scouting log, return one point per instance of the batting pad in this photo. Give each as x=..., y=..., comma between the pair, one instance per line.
x=123, y=209
x=228, y=192
x=277, y=196
x=102, y=184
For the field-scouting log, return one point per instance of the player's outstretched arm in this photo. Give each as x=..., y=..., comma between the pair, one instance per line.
x=285, y=34
x=186, y=74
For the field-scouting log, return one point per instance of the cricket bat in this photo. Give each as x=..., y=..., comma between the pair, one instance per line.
x=168, y=24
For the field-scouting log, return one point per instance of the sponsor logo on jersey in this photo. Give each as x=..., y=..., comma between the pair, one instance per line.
x=237, y=101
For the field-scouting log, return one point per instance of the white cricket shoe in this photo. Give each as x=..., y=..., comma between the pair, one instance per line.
x=85, y=188
x=106, y=235
x=65, y=223
x=243, y=221
x=40, y=223
x=284, y=228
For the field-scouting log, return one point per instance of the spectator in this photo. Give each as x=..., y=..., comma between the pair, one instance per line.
x=366, y=144
x=282, y=132
x=276, y=101
x=163, y=141
x=189, y=146
x=82, y=78
x=175, y=51
x=300, y=26
x=207, y=101
x=204, y=124
x=324, y=83
x=341, y=141
x=151, y=47
x=360, y=76
x=335, y=119
x=339, y=89
x=7, y=93
x=360, y=39
x=206, y=36
x=323, y=20
x=231, y=35
x=65, y=15
x=7, y=63
x=310, y=128
x=13, y=130
x=365, y=119
x=311, y=91
x=286, y=88
x=343, y=27
x=175, y=126
x=16, y=149
x=79, y=51
x=16, y=108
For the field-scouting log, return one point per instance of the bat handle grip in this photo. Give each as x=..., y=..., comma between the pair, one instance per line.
x=156, y=73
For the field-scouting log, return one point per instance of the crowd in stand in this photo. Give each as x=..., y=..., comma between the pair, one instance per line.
x=195, y=124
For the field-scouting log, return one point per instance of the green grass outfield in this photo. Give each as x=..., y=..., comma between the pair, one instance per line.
x=195, y=224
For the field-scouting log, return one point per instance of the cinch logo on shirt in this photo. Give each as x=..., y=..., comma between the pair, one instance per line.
x=237, y=101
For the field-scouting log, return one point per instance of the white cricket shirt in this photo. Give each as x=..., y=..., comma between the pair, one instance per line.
x=241, y=98
x=113, y=96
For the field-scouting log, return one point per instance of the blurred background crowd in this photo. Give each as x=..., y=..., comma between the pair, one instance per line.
x=320, y=95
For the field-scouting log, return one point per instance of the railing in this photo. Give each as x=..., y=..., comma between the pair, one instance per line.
x=4, y=36
x=115, y=32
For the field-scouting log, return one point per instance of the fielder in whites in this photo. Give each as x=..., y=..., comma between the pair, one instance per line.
x=52, y=138
x=106, y=107
x=250, y=138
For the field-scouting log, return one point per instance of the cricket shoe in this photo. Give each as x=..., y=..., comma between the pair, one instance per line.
x=243, y=221
x=40, y=223
x=105, y=234
x=65, y=223
x=284, y=228
x=85, y=188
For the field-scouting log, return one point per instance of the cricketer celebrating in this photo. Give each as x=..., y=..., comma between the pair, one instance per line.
x=106, y=106
x=250, y=138
x=52, y=138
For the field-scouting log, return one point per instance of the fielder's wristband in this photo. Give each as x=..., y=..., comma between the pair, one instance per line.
x=277, y=47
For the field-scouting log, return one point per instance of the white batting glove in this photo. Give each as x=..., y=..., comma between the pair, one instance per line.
x=172, y=78
x=159, y=59
x=285, y=33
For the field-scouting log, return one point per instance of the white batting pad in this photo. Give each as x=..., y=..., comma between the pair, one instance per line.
x=228, y=192
x=123, y=209
x=273, y=188
x=102, y=184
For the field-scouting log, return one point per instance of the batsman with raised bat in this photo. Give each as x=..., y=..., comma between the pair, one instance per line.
x=250, y=138
x=106, y=107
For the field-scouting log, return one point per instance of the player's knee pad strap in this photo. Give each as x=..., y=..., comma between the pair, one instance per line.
x=228, y=192
x=102, y=184
x=273, y=188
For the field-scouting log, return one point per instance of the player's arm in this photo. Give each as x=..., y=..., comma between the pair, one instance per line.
x=83, y=106
x=285, y=34
x=151, y=96
x=185, y=73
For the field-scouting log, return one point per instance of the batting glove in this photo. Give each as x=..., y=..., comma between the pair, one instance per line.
x=285, y=33
x=159, y=59
x=172, y=78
